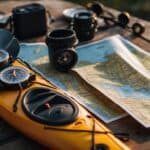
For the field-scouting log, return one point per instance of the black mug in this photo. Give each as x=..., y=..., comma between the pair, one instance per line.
x=85, y=24
x=61, y=45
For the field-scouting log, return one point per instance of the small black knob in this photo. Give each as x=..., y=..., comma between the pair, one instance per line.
x=96, y=7
x=123, y=19
x=138, y=28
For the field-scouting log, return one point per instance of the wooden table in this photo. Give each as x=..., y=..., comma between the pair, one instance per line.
x=140, y=137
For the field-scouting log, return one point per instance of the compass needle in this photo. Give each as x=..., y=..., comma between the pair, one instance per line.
x=14, y=73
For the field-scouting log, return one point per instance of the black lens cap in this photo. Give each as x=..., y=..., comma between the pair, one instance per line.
x=138, y=28
x=64, y=60
x=123, y=19
x=96, y=7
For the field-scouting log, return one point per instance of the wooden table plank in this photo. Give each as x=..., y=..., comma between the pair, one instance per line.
x=140, y=137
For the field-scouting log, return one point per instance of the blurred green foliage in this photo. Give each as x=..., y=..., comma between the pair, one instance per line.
x=139, y=8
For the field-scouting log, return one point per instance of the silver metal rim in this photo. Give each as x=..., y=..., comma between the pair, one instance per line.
x=2, y=78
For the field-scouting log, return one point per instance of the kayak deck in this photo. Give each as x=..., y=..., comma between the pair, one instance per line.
x=140, y=137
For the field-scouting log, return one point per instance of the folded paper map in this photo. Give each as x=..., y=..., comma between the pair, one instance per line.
x=37, y=55
x=121, y=71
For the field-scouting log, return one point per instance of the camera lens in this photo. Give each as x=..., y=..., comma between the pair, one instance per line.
x=62, y=54
x=84, y=24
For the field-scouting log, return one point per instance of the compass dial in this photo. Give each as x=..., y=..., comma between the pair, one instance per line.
x=14, y=75
x=4, y=56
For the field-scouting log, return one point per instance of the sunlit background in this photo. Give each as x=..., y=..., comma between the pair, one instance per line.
x=139, y=8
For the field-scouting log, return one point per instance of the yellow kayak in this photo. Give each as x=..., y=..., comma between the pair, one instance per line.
x=48, y=115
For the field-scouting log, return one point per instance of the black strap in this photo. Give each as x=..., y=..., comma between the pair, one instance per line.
x=17, y=98
x=93, y=136
x=122, y=136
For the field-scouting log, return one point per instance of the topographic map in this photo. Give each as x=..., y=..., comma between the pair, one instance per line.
x=110, y=74
x=37, y=56
x=121, y=71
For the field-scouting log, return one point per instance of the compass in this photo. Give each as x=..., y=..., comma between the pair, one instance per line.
x=14, y=76
x=4, y=58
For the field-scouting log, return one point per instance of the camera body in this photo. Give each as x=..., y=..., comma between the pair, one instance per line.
x=29, y=21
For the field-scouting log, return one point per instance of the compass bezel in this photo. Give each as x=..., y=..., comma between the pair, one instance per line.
x=5, y=81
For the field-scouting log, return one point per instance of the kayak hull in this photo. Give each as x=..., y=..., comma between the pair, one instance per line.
x=48, y=135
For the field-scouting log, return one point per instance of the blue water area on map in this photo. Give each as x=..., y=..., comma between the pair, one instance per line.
x=33, y=51
x=94, y=53
x=98, y=51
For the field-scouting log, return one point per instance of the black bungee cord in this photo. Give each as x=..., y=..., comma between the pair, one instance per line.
x=122, y=136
